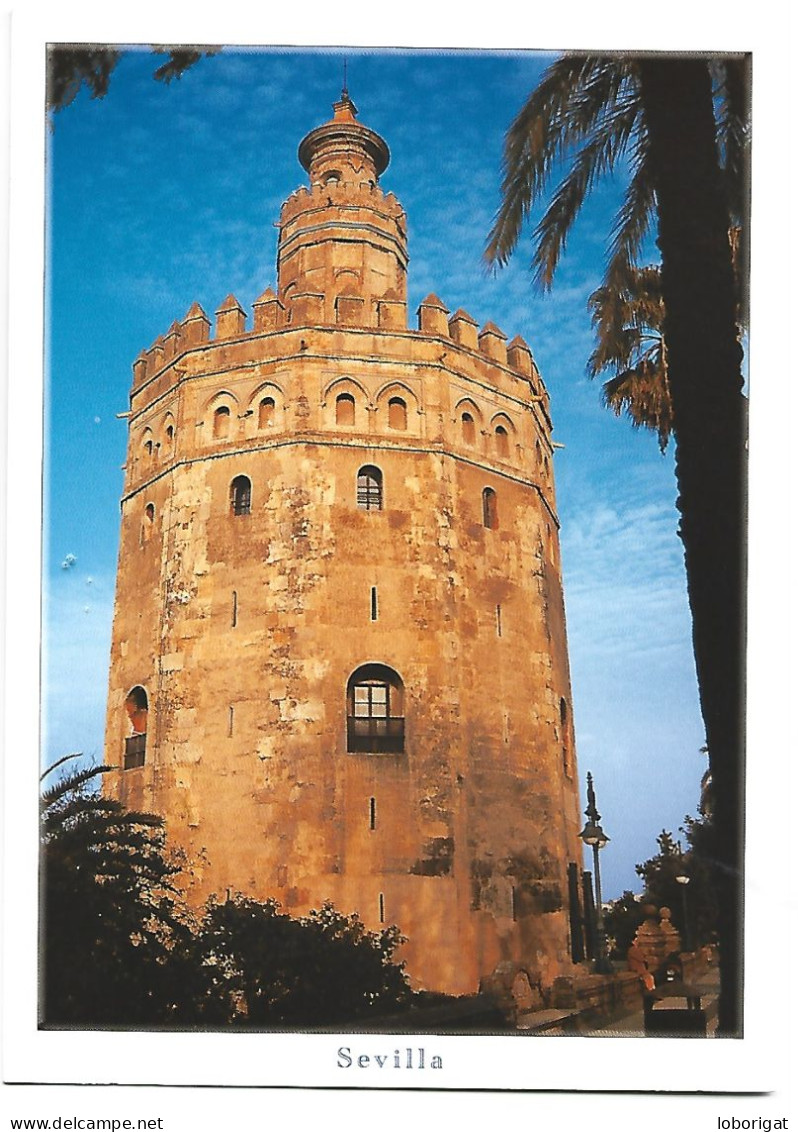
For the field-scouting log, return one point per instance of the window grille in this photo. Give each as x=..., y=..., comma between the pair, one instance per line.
x=369, y=489
x=241, y=495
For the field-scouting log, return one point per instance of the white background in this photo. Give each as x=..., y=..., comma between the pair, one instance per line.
x=136, y=1063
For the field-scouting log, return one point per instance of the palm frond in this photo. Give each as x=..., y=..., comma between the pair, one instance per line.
x=642, y=394
x=635, y=217
x=574, y=95
x=597, y=157
x=67, y=784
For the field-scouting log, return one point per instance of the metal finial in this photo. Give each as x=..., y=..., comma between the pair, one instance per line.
x=591, y=812
x=345, y=91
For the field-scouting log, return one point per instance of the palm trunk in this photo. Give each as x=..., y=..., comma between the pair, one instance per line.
x=704, y=371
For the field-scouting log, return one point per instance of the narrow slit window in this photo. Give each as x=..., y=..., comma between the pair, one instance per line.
x=382, y=907
x=373, y=603
x=234, y=610
x=372, y=813
x=498, y=620
x=230, y=720
x=490, y=514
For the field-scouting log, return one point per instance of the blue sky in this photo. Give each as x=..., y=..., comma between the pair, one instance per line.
x=159, y=196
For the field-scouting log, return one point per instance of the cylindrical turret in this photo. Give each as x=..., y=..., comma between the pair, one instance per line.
x=342, y=253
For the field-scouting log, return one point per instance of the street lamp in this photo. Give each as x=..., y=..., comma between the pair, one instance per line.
x=594, y=836
x=683, y=880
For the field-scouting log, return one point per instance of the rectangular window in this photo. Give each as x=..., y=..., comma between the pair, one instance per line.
x=371, y=701
x=498, y=620
x=382, y=908
x=234, y=611
x=372, y=813
x=373, y=603
x=230, y=713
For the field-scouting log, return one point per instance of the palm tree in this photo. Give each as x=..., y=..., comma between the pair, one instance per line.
x=680, y=126
x=111, y=930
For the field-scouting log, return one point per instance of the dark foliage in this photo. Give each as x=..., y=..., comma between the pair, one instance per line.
x=112, y=932
x=268, y=969
x=698, y=898
x=70, y=67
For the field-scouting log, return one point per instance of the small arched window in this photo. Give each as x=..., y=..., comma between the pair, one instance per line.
x=241, y=495
x=148, y=523
x=221, y=423
x=136, y=708
x=344, y=409
x=375, y=710
x=502, y=441
x=149, y=449
x=369, y=488
x=469, y=429
x=397, y=414
x=169, y=437
x=266, y=411
x=490, y=513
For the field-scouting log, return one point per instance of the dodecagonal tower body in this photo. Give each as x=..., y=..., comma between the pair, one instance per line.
x=339, y=662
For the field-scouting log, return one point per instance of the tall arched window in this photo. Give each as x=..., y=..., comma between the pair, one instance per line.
x=490, y=513
x=397, y=414
x=241, y=495
x=221, y=422
x=369, y=488
x=136, y=741
x=345, y=409
x=502, y=441
x=469, y=429
x=148, y=524
x=375, y=711
x=266, y=412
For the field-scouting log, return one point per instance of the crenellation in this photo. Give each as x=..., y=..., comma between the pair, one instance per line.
x=433, y=317
x=230, y=319
x=140, y=369
x=155, y=356
x=463, y=329
x=268, y=312
x=171, y=341
x=492, y=343
x=195, y=327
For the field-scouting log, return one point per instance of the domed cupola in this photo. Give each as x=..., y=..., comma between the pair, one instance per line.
x=342, y=251
x=343, y=149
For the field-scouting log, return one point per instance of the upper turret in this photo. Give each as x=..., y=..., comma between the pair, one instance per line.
x=342, y=251
x=343, y=149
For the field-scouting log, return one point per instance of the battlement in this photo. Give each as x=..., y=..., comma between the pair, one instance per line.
x=344, y=194
x=271, y=315
x=305, y=310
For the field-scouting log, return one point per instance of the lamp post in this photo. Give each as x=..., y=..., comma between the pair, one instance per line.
x=594, y=836
x=682, y=879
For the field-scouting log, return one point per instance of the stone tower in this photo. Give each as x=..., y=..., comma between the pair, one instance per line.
x=339, y=662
